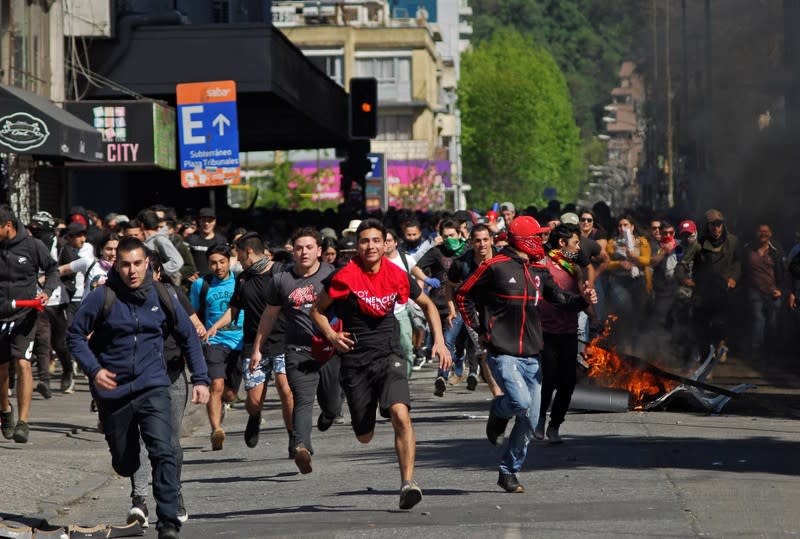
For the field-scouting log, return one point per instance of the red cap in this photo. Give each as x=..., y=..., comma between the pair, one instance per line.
x=526, y=226
x=78, y=218
x=687, y=226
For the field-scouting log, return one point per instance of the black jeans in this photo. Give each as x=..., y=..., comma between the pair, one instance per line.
x=146, y=413
x=51, y=332
x=307, y=378
x=558, y=371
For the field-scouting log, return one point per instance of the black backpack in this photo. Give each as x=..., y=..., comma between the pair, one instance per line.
x=201, y=310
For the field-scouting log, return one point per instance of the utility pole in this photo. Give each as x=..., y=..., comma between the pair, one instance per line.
x=684, y=114
x=708, y=102
x=668, y=79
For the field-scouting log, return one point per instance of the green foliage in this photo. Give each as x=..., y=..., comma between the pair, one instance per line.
x=589, y=40
x=518, y=131
x=280, y=186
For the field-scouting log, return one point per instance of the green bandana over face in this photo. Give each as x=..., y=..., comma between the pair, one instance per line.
x=454, y=246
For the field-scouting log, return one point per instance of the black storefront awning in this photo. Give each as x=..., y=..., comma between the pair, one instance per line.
x=283, y=100
x=31, y=124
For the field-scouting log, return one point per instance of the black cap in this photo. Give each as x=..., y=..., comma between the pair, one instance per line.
x=206, y=212
x=346, y=244
x=75, y=229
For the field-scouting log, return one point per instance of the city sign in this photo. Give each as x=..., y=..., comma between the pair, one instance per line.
x=134, y=132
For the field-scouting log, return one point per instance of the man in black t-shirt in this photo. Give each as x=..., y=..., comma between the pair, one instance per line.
x=292, y=293
x=205, y=237
x=373, y=369
x=250, y=294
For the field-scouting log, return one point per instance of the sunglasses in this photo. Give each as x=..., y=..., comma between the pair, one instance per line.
x=716, y=223
x=586, y=220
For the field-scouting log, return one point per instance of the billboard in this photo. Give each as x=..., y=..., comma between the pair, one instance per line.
x=415, y=184
x=134, y=132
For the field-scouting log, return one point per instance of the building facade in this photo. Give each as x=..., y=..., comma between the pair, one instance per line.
x=413, y=51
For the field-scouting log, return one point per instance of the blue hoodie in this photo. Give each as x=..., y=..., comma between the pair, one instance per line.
x=130, y=341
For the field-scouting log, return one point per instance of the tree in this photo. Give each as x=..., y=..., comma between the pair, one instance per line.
x=518, y=131
x=589, y=40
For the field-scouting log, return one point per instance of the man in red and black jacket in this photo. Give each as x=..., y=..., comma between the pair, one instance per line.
x=506, y=290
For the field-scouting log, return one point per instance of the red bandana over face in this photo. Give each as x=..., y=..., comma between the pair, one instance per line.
x=523, y=235
x=375, y=293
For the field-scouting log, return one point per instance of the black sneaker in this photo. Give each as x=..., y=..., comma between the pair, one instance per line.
x=138, y=512
x=410, y=494
x=168, y=530
x=251, y=431
x=324, y=423
x=552, y=435
x=495, y=426
x=68, y=383
x=472, y=381
x=43, y=388
x=183, y=516
x=7, y=420
x=440, y=386
x=21, y=432
x=302, y=458
x=509, y=483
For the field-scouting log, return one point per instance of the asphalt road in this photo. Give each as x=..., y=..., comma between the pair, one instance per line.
x=679, y=473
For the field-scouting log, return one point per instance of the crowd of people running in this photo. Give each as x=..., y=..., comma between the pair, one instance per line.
x=349, y=315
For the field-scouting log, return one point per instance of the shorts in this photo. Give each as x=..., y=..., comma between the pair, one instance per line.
x=16, y=338
x=224, y=363
x=262, y=373
x=381, y=382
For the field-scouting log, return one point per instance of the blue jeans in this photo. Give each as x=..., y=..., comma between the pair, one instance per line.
x=520, y=379
x=450, y=336
x=146, y=413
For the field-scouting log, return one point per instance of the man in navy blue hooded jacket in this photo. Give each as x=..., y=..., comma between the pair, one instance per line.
x=125, y=362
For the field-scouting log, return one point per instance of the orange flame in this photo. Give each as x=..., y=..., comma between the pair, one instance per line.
x=610, y=369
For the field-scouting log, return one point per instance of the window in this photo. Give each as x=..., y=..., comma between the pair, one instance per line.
x=396, y=127
x=393, y=74
x=330, y=65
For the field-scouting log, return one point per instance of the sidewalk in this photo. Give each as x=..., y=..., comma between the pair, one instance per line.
x=65, y=459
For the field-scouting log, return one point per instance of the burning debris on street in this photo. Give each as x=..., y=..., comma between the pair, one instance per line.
x=649, y=385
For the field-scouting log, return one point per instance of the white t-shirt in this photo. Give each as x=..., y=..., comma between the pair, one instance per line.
x=398, y=261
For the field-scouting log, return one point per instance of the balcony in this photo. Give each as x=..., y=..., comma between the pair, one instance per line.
x=464, y=29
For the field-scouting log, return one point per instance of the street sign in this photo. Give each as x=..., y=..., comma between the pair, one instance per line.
x=376, y=196
x=208, y=134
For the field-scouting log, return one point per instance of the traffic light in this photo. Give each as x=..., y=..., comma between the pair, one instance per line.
x=364, y=107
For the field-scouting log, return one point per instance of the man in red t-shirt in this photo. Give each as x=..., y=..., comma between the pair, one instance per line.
x=373, y=369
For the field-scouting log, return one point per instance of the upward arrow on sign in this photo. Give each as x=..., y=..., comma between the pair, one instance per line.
x=221, y=121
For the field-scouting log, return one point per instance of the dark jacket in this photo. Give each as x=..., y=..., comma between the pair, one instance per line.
x=21, y=258
x=776, y=254
x=711, y=267
x=131, y=339
x=506, y=290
